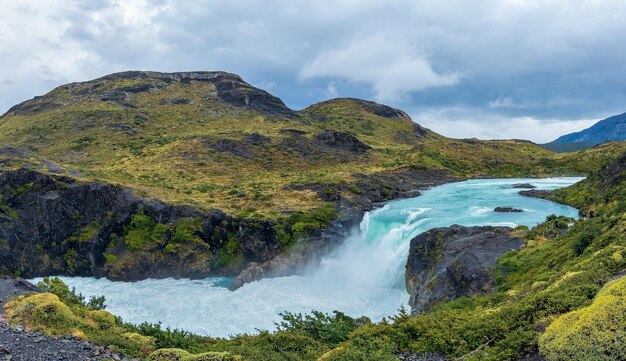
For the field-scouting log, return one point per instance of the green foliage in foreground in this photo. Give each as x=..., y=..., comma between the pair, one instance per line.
x=590, y=333
x=558, y=283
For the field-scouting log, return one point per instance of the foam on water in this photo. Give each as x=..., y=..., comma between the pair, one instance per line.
x=364, y=276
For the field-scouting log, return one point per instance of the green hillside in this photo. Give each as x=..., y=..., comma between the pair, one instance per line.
x=561, y=296
x=213, y=141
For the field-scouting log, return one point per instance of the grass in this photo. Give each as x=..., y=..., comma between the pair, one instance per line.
x=203, y=153
x=167, y=151
x=553, y=296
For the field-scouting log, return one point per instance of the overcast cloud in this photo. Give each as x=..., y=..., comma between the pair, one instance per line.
x=488, y=69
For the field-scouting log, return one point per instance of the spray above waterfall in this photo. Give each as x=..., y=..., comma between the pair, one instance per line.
x=363, y=276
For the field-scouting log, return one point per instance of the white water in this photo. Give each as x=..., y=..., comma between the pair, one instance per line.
x=365, y=276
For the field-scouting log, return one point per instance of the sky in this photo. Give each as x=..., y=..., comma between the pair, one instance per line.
x=488, y=69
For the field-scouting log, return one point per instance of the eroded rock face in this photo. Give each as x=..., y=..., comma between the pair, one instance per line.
x=52, y=225
x=55, y=225
x=448, y=263
x=229, y=88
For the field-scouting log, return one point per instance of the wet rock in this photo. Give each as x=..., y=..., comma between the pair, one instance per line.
x=523, y=186
x=508, y=210
x=48, y=210
x=535, y=193
x=448, y=263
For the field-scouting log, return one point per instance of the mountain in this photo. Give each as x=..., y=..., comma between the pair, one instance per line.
x=141, y=174
x=145, y=174
x=612, y=129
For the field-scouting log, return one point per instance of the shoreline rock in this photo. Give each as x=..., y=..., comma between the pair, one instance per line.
x=447, y=263
x=537, y=193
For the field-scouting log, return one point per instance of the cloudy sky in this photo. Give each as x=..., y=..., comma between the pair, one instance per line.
x=487, y=69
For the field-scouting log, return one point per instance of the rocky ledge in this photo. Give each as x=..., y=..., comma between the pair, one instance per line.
x=19, y=344
x=448, y=263
x=537, y=193
x=56, y=225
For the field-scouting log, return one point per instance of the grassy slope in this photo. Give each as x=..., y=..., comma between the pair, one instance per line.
x=156, y=149
x=546, y=299
x=160, y=148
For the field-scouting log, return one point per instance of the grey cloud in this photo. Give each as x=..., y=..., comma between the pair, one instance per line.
x=500, y=60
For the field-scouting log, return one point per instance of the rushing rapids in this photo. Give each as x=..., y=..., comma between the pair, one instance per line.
x=364, y=276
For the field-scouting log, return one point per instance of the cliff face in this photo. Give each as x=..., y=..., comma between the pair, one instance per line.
x=448, y=263
x=55, y=225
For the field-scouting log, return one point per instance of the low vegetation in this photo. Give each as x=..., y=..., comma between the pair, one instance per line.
x=178, y=142
x=202, y=152
x=561, y=295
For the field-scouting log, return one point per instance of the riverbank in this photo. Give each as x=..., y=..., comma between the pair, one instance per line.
x=18, y=343
x=363, y=276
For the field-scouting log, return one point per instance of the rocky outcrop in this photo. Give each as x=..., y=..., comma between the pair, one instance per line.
x=340, y=141
x=507, y=210
x=11, y=287
x=352, y=200
x=53, y=225
x=537, y=193
x=448, y=263
x=229, y=88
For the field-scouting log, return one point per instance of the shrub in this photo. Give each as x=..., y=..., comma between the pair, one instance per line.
x=143, y=231
x=56, y=286
x=186, y=229
x=327, y=328
x=595, y=332
x=172, y=354
x=585, y=237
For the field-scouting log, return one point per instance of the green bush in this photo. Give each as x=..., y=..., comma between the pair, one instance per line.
x=330, y=329
x=143, y=232
x=592, y=333
x=70, y=297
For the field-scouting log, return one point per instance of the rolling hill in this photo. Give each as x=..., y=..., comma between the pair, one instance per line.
x=145, y=174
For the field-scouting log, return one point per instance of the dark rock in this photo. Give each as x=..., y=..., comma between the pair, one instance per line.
x=11, y=287
x=326, y=144
x=175, y=101
x=523, y=185
x=43, y=222
x=448, y=263
x=536, y=193
x=382, y=110
x=248, y=146
x=118, y=97
x=508, y=210
x=293, y=131
x=340, y=141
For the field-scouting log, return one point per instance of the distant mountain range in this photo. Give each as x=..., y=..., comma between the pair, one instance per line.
x=609, y=129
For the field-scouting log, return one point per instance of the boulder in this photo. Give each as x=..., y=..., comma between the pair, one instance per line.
x=448, y=263
x=508, y=210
